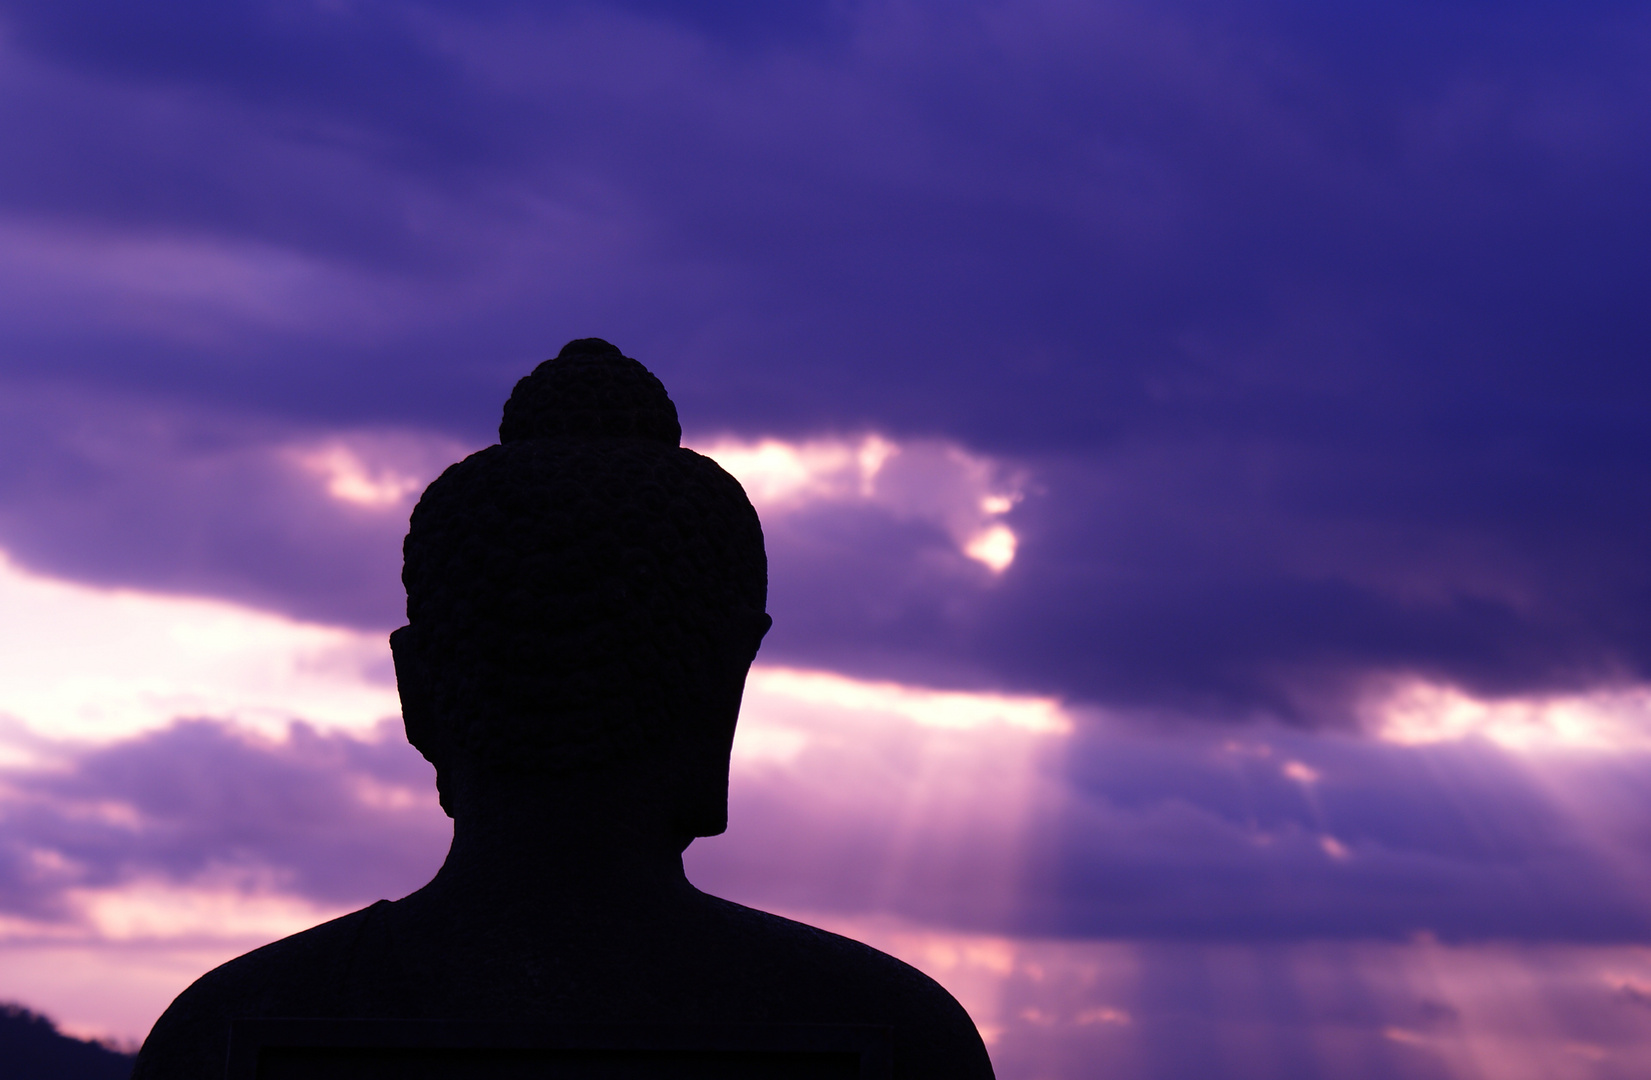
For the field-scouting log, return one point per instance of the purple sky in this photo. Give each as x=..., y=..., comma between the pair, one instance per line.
x=1308, y=342
x=1321, y=334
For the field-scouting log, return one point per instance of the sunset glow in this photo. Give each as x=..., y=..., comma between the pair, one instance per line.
x=78, y=662
x=1199, y=451
x=937, y=483
x=1607, y=721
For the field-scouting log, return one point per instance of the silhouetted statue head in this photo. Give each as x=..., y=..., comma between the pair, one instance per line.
x=583, y=598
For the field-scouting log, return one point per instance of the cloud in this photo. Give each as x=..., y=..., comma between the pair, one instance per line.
x=932, y=481
x=87, y=663
x=127, y=492
x=1062, y=221
x=204, y=829
x=973, y=812
x=308, y=523
x=1412, y=1009
x=1419, y=713
x=1084, y=887
x=1313, y=332
x=844, y=803
x=1462, y=816
x=879, y=550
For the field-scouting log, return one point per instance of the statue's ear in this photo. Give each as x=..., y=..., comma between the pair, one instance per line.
x=404, y=652
x=417, y=716
x=702, y=774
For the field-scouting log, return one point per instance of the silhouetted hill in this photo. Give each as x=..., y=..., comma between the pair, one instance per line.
x=31, y=1048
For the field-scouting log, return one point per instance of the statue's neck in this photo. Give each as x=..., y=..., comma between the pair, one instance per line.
x=552, y=846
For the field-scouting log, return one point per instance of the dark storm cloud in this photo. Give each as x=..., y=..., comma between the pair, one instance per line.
x=1320, y=329
x=1234, y=580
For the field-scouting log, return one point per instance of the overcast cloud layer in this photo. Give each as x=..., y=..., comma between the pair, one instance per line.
x=857, y=813
x=1315, y=335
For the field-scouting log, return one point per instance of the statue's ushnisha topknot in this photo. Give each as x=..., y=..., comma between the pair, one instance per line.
x=590, y=389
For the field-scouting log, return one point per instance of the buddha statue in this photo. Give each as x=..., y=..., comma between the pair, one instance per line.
x=584, y=600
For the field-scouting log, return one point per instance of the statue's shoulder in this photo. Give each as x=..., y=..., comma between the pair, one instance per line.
x=812, y=974
x=747, y=966
x=308, y=974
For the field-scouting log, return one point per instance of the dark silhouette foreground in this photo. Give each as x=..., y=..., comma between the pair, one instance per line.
x=584, y=601
x=31, y=1048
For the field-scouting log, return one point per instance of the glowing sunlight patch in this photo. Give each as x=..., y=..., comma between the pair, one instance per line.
x=928, y=480
x=1607, y=721
x=928, y=708
x=86, y=663
x=995, y=547
x=162, y=910
x=349, y=479
x=779, y=475
x=381, y=471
